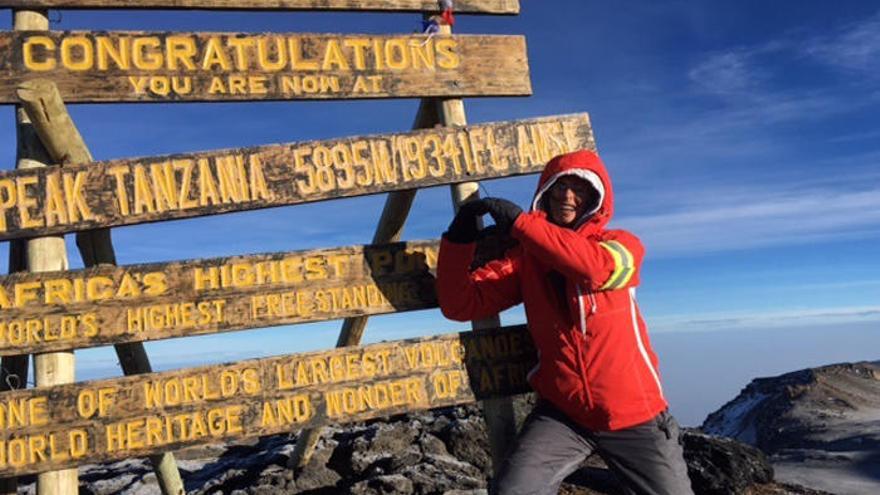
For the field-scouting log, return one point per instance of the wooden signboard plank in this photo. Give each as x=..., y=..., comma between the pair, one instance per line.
x=62, y=426
x=115, y=304
x=125, y=192
x=461, y=6
x=177, y=67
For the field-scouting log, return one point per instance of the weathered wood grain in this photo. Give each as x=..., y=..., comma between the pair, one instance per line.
x=178, y=67
x=62, y=140
x=461, y=6
x=110, y=305
x=498, y=412
x=44, y=254
x=125, y=192
x=389, y=229
x=105, y=420
x=14, y=369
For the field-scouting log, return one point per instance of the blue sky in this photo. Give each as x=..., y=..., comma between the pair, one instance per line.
x=742, y=138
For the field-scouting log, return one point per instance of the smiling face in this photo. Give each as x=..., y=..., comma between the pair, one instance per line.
x=570, y=198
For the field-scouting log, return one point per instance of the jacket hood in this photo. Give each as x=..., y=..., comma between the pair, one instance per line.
x=587, y=166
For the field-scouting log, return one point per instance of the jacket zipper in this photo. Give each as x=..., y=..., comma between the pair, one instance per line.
x=582, y=323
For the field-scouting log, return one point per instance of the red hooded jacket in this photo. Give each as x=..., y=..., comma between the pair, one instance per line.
x=595, y=360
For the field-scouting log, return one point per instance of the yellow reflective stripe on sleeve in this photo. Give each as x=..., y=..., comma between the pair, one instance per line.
x=624, y=266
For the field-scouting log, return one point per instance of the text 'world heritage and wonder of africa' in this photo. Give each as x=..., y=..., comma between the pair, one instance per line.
x=45, y=429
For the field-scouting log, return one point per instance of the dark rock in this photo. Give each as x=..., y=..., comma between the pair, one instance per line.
x=377, y=449
x=722, y=466
x=428, y=478
x=316, y=477
x=466, y=439
x=394, y=484
x=444, y=452
x=431, y=444
x=315, y=474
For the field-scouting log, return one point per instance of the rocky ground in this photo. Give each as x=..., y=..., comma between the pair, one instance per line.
x=820, y=426
x=442, y=452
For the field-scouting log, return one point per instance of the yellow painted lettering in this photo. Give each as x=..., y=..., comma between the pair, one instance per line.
x=397, y=57
x=77, y=207
x=69, y=47
x=264, y=51
x=146, y=54
x=143, y=192
x=297, y=62
x=215, y=56
x=207, y=186
x=25, y=203
x=334, y=59
x=448, y=57
x=217, y=86
x=119, y=172
x=56, y=209
x=359, y=46
x=119, y=52
x=240, y=45
x=29, y=53
x=180, y=51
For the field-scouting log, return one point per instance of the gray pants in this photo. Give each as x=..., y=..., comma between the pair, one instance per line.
x=647, y=458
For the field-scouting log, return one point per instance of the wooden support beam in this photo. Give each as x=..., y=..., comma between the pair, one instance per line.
x=58, y=133
x=389, y=229
x=498, y=412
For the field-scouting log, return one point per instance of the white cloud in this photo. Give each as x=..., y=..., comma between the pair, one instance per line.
x=722, y=219
x=756, y=84
x=790, y=318
x=726, y=73
x=855, y=46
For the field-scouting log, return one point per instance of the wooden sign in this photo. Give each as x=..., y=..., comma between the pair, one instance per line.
x=42, y=312
x=461, y=6
x=50, y=428
x=173, y=67
x=52, y=200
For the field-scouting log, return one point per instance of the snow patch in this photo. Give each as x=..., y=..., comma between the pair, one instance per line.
x=735, y=419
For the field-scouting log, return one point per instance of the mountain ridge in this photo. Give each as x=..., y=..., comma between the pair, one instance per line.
x=820, y=426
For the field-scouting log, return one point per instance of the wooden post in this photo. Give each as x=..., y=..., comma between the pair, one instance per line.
x=51, y=121
x=14, y=369
x=13, y=376
x=44, y=254
x=389, y=229
x=500, y=419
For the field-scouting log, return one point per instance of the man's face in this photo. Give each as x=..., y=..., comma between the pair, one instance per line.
x=570, y=198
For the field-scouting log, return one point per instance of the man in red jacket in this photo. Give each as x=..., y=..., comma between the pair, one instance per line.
x=597, y=377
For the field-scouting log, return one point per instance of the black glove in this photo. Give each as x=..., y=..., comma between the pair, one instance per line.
x=463, y=229
x=504, y=213
x=491, y=245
